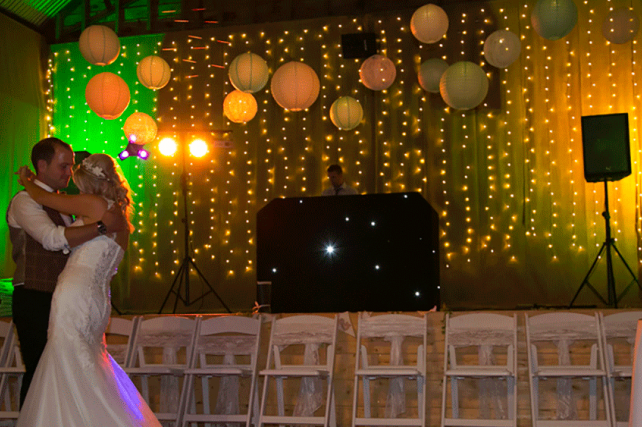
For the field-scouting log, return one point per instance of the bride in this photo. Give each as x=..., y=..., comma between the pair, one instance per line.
x=77, y=383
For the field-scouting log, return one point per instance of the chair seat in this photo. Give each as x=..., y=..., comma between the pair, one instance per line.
x=156, y=370
x=410, y=422
x=458, y=422
x=242, y=371
x=388, y=371
x=574, y=423
x=4, y=415
x=303, y=371
x=568, y=371
x=202, y=418
x=622, y=372
x=13, y=370
x=275, y=419
x=479, y=371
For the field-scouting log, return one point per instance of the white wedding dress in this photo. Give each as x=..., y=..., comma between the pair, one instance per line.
x=77, y=383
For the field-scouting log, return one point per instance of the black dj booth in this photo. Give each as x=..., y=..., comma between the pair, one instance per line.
x=375, y=252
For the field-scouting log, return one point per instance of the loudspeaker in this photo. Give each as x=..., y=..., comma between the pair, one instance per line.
x=607, y=154
x=358, y=45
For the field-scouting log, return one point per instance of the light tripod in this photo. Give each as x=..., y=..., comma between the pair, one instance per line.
x=609, y=243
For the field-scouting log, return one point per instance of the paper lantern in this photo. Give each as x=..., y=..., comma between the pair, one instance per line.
x=107, y=95
x=239, y=107
x=153, y=72
x=295, y=86
x=429, y=23
x=464, y=85
x=554, y=19
x=99, y=45
x=377, y=72
x=502, y=48
x=140, y=129
x=620, y=26
x=430, y=74
x=346, y=113
x=248, y=72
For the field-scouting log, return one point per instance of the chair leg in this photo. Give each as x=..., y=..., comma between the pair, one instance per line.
x=366, y=398
x=205, y=385
x=593, y=398
x=279, y=397
x=454, y=396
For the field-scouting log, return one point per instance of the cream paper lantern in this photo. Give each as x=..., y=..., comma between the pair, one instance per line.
x=502, y=48
x=99, y=45
x=239, y=107
x=346, y=113
x=464, y=85
x=140, y=129
x=430, y=74
x=554, y=19
x=248, y=72
x=429, y=23
x=620, y=25
x=377, y=72
x=153, y=72
x=295, y=86
x=107, y=95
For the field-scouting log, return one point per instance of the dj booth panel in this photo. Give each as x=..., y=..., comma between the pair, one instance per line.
x=385, y=253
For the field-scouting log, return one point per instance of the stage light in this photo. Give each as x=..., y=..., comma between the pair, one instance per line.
x=329, y=249
x=143, y=154
x=417, y=294
x=133, y=150
x=167, y=147
x=123, y=155
x=198, y=148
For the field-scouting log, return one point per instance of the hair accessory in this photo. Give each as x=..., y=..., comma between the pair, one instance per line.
x=93, y=169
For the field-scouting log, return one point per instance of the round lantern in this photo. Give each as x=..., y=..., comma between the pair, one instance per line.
x=502, y=48
x=377, y=72
x=620, y=26
x=295, y=86
x=346, y=113
x=248, y=72
x=107, y=95
x=429, y=23
x=140, y=129
x=554, y=19
x=239, y=107
x=430, y=74
x=153, y=72
x=464, y=85
x=99, y=45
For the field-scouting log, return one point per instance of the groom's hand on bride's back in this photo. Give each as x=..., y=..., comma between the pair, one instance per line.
x=115, y=220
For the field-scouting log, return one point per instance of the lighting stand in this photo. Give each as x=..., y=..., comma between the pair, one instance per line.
x=609, y=243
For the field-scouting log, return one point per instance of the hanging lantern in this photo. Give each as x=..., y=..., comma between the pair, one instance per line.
x=295, y=86
x=430, y=74
x=153, y=72
x=620, y=25
x=429, y=23
x=377, y=72
x=554, y=19
x=464, y=85
x=239, y=107
x=502, y=48
x=107, y=95
x=248, y=73
x=346, y=113
x=140, y=129
x=99, y=45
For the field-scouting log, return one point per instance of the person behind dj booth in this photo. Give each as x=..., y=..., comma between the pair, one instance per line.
x=339, y=186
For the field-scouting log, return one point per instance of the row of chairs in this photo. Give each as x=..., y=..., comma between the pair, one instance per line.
x=189, y=356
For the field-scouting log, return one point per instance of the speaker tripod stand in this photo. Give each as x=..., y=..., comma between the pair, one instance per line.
x=607, y=246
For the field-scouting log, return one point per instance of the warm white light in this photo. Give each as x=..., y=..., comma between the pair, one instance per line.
x=167, y=147
x=329, y=249
x=198, y=148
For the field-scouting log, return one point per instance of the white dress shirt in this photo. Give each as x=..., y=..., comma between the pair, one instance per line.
x=344, y=190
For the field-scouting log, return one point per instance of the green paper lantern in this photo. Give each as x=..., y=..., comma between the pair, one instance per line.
x=554, y=19
x=346, y=113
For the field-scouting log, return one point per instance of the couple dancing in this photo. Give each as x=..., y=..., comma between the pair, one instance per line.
x=76, y=382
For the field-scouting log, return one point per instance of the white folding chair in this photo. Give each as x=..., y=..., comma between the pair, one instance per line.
x=307, y=335
x=161, y=351
x=401, y=331
x=481, y=347
x=557, y=344
x=618, y=333
x=119, y=339
x=227, y=349
x=12, y=370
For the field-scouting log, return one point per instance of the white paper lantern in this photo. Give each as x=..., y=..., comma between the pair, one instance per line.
x=295, y=86
x=620, y=25
x=153, y=72
x=99, y=45
x=430, y=74
x=346, y=113
x=464, y=85
x=554, y=19
x=107, y=95
x=239, y=107
x=502, y=48
x=248, y=72
x=140, y=128
x=429, y=23
x=377, y=72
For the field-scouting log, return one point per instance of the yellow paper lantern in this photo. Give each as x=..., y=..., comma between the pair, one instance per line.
x=429, y=23
x=140, y=129
x=107, y=95
x=346, y=113
x=295, y=86
x=239, y=107
x=464, y=85
x=153, y=72
x=248, y=72
x=377, y=72
x=620, y=25
x=99, y=45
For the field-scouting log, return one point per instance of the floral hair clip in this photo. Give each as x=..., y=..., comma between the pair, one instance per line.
x=94, y=170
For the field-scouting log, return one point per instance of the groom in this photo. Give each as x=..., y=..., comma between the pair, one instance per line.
x=41, y=241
